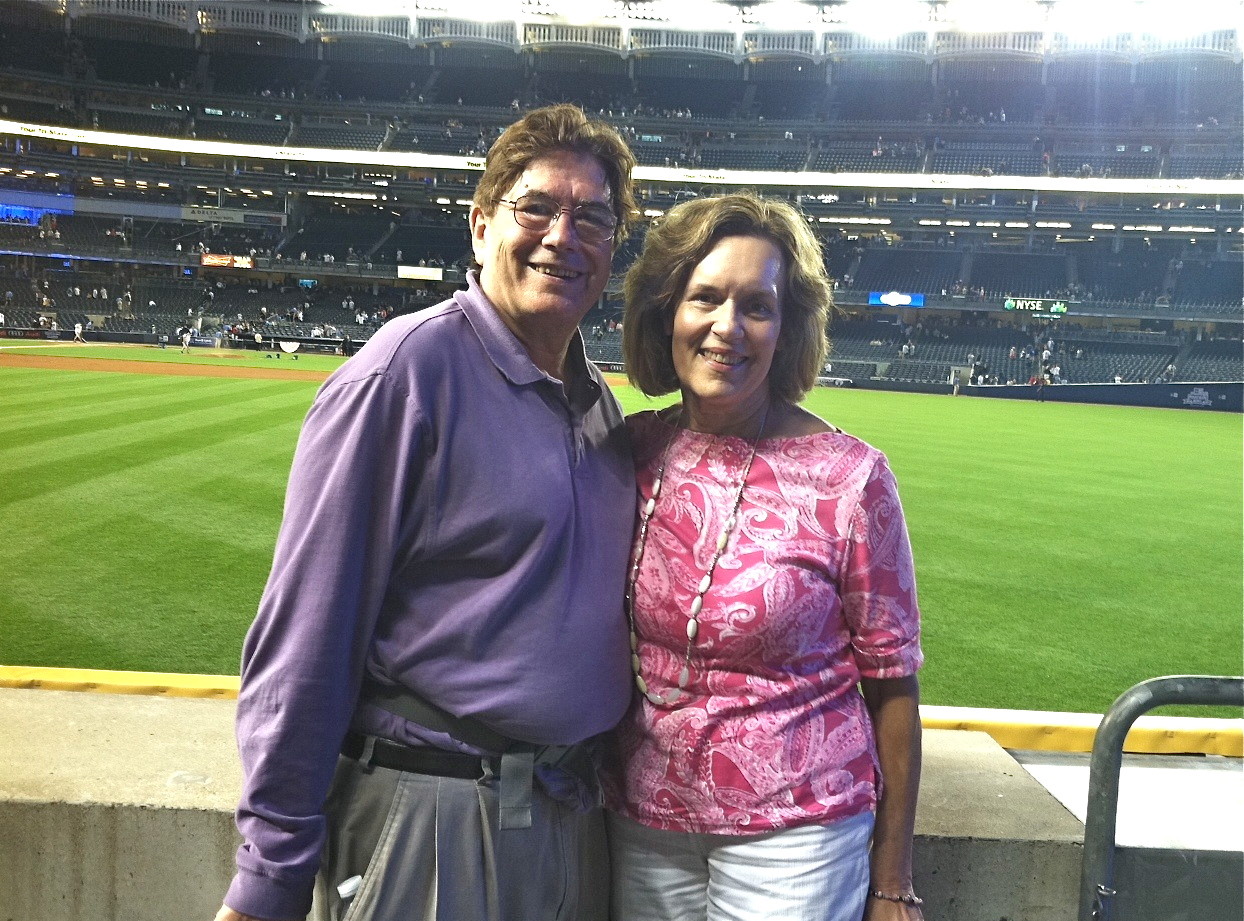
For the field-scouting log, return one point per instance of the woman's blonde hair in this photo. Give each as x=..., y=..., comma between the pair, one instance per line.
x=676, y=245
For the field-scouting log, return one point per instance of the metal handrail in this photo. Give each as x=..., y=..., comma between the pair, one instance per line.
x=1097, y=874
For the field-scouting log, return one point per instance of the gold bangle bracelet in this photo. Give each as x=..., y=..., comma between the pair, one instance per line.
x=907, y=898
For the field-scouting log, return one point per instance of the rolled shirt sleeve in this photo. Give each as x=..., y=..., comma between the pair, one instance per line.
x=879, y=582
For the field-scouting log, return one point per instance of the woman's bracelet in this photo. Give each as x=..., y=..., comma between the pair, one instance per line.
x=907, y=898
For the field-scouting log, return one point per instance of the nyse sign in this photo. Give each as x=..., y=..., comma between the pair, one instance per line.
x=1035, y=304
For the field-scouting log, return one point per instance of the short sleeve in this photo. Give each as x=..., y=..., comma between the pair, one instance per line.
x=879, y=582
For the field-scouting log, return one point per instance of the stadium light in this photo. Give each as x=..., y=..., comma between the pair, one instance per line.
x=994, y=16
x=694, y=14
x=1181, y=20
x=886, y=18
x=788, y=14
x=478, y=11
x=588, y=12
x=1162, y=18
x=489, y=10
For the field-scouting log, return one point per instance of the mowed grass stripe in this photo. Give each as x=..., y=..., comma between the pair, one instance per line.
x=159, y=551
x=153, y=399
x=1064, y=552
x=125, y=601
x=59, y=461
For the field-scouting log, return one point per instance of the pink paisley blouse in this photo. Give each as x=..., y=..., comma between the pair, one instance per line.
x=814, y=590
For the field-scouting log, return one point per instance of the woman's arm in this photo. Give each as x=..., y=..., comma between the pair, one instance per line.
x=893, y=704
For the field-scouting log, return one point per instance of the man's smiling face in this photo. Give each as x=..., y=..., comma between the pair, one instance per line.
x=542, y=282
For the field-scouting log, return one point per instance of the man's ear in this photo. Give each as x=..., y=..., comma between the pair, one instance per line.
x=479, y=223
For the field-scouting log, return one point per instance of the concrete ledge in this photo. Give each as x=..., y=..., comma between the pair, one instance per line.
x=120, y=807
x=114, y=807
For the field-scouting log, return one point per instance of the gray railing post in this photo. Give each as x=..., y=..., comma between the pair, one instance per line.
x=1097, y=874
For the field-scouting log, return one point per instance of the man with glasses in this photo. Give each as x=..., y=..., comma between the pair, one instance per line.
x=442, y=636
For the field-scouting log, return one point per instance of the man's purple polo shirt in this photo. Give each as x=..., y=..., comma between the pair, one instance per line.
x=456, y=523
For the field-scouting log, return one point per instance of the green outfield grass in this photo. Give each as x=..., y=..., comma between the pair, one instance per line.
x=1064, y=552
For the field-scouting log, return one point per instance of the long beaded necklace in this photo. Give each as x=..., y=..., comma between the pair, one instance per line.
x=672, y=696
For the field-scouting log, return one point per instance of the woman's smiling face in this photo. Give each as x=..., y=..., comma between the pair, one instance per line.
x=725, y=332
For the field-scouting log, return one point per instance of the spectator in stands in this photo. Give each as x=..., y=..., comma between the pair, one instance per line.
x=471, y=534
x=727, y=303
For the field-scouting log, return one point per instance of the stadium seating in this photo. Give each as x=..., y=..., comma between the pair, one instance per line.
x=1210, y=282
x=1100, y=161
x=856, y=157
x=788, y=159
x=1205, y=161
x=344, y=136
x=927, y=271
x=242, y=131
x=1103, y=361
x=1216, y=360
x=1019, y=274
x=876, y=115
x=986, y=157
x=137, y=123
x=1135, y=273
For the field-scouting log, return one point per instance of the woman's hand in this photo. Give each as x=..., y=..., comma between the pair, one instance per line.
x=885, y=910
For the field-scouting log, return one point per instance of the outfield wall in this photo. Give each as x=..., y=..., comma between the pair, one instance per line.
x=66, y=335
x=1223, y=397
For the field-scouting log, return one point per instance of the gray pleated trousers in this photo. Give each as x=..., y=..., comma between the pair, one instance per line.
x=430, y=849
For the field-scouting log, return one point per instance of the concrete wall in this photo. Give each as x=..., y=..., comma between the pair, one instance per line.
x=120, y=807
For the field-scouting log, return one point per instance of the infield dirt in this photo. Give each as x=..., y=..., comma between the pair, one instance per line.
x=124, y=366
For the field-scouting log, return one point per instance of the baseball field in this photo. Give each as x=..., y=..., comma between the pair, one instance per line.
x=1063, y=551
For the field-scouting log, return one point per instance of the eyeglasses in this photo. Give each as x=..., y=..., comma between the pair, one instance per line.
x=594, y=223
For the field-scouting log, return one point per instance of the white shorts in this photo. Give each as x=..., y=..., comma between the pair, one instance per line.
x=809, y=873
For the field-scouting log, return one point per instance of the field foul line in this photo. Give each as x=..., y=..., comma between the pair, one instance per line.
x=43, y=345
x=1018, y=729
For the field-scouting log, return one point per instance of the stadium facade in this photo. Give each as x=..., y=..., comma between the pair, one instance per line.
x=306, y=173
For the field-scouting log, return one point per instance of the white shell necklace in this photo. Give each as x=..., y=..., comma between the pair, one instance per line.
x=671, y=697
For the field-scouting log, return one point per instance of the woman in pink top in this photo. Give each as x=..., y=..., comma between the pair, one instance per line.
x=772, y=600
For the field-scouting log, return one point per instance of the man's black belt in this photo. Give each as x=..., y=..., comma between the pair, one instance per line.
x=414, y=759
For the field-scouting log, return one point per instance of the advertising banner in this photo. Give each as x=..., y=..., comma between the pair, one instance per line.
x=895, y=299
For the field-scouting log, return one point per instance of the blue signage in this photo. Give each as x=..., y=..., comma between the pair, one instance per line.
x=895, y=299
